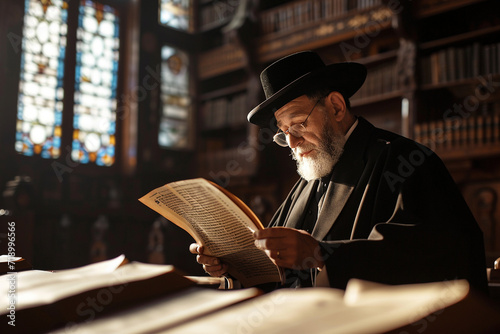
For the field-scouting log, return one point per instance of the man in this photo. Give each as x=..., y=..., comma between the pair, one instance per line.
x=370, y=204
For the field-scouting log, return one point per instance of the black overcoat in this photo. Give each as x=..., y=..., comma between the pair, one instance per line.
x=391, y=214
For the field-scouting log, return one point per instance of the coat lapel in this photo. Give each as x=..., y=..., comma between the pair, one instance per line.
x=345, y=176
x=298, y=209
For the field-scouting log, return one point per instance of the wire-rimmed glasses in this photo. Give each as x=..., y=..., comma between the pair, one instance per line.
x=296, y=130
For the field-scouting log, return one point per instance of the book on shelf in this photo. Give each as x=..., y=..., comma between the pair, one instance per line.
x=228, y=57
x=225, y=111
x=40, y=301
x=219, y=221
x=300, y=13
x=476, y=130
x=458, y=63
x=381, y=79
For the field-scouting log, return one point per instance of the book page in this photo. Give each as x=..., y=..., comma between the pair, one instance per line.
x=217, y=223
x=64, y=284
x=365, y=307
x=32, y=278
x=164, y=313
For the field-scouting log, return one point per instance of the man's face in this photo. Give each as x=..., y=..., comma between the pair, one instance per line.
x=320, y=147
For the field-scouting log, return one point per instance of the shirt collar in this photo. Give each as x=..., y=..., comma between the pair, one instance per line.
x=353, y=126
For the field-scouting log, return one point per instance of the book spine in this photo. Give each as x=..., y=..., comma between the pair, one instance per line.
x=480, y=130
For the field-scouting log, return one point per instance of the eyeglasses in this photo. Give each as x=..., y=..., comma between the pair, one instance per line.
x=296, y=130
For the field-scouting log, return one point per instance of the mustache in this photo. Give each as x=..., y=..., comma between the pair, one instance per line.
x=295, y=152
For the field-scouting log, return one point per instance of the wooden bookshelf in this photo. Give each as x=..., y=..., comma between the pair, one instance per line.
x=226, y=58
x=365, y=101
x=226, y=111
x=468, y=36
x=428, y=8
x=229, y=90
x=459, y=63
x=468, y=153
x=323, y=31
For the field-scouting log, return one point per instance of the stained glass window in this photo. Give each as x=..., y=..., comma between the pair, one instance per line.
x=94, y=120
x=40, y=102
x=175, y=99
x=176, y=14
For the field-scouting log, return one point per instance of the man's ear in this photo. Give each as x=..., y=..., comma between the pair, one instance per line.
x=336, y=102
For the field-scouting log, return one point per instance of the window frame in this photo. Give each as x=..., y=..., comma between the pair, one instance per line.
x=126, y=113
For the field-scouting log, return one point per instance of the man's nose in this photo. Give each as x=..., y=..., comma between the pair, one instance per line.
x=293, y=141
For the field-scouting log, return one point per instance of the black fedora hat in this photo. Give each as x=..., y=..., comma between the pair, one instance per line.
x=293, y=75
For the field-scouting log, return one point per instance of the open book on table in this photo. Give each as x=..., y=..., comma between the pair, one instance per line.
x=219, y=221
x=364, y=307
x=38, y=301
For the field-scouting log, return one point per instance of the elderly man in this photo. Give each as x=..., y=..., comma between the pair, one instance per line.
x=369, y=203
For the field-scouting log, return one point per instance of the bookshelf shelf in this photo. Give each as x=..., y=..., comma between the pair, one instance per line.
x=323, y=32
x=224, y=91
x=378, y=58
x=462, y=85
x=435, y=7
x=220, y=60
x=358, y=102
x=468, y=36
x=473, y=152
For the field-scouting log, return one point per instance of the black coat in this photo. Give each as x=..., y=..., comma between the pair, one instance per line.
x=392, y=214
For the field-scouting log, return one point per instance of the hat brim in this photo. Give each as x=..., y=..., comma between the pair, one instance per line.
x=346, y=78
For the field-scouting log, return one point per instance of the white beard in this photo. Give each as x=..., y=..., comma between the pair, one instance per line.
x=324, y=158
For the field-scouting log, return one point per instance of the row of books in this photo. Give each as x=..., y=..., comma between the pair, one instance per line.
x=299, y=13
x=458, y=133
x=217, y=12
x=380, y=80
x=456, y=63
x=219, y=60
x=225, y=111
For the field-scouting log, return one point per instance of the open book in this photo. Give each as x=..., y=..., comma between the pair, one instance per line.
x=220, y=222
x=364, y=308
x=37, y=301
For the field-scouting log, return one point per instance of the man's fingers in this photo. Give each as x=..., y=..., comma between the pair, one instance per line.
x=193, y=248
x=272, y=232
x=207, y=260
x=272, y=243
x=216, y=271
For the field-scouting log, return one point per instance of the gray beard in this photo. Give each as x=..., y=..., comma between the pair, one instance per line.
x=326, y=157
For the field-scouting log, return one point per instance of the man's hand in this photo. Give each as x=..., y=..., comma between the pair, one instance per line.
x=212, y=265
x=289, y=248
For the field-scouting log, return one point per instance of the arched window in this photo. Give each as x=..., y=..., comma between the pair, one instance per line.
x=44, y=68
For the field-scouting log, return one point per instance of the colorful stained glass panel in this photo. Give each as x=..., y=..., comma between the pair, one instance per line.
x=39, y=114
x=176, y=14
x=94, y=119
x=175, y=99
